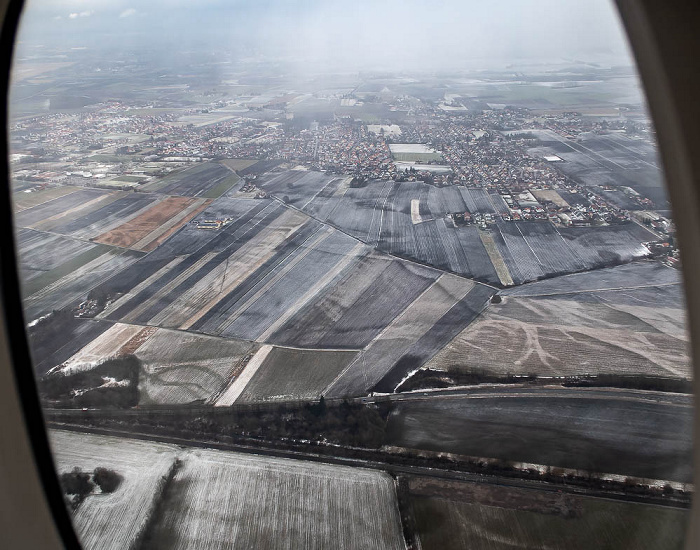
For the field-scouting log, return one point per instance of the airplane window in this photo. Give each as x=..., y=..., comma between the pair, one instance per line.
x=328, y=275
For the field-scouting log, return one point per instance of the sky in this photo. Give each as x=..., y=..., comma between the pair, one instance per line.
x=370, y=34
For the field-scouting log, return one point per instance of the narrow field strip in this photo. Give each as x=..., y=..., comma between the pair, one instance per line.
x=234, y=391
x=496, y=259
x=105, y=346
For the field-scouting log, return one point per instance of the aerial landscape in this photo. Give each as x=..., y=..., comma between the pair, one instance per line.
x=348, y=306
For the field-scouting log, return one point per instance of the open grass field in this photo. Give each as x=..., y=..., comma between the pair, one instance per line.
x=150, y=228
x=446, y=524
x=114, y=520
x=238, y=164
x=230, y=500
x=413, y=152
x=634, y=433
x=288, y=374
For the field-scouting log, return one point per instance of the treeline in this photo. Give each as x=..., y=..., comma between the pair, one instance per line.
x=339, y=423
x=643, y=382
x=113, y=383
x=434, y=379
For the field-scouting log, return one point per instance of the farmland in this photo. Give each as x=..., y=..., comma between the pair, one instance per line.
x=206, y=180
x=413, y=337
x=268, y=259
x=610, y=160
x=295, y=374
x=111, y=211
x=260, y=502
x=41, y=252
x=61, y=271
x=602, y=322
x=147, y=230
x=534, y=250
x=23, y=200
x=59, y=337
x=118, y=519
x=45, y=213
x=577, y=429
x=379, y=214
x=364, y=301
x=183, y=368
x=109, y=344
x=453, y=523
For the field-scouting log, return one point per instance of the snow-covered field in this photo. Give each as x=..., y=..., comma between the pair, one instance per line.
x=115, y=520
x=104, y=347
x=229, y=500
x=220, y=499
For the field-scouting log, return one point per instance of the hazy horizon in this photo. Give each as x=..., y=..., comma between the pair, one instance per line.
x=409, y=35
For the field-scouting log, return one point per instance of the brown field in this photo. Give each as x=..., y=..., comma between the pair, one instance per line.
x=148, y=230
